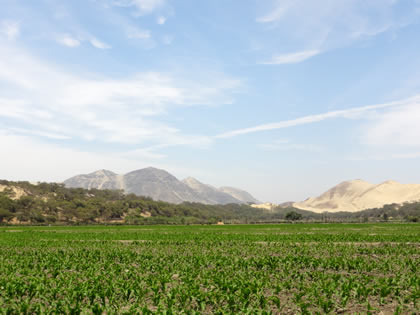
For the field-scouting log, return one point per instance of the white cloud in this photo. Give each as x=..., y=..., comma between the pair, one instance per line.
x=161, y=20
x=68, y=40
x=10, y=29
x=142, y=6
x=397, y=128
x=99, y=44
x=346, y=113
x=291, y=58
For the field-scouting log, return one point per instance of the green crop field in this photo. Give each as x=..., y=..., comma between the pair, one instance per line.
x=279, y=269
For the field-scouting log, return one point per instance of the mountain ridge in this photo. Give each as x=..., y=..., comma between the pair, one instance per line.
x=159, y=185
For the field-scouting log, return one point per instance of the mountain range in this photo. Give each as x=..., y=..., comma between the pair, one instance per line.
x=160, y=185
x=357, y=195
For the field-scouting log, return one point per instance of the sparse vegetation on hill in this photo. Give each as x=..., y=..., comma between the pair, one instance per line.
x=52, y=203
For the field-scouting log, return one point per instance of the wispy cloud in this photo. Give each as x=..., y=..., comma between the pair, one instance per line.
x=125, y=111
x=347, y=113
x=279, y=10
x=99, y=44
x=10, y=29
x=325, y=25
x=291, y=58
x=68, y=40
x=52, y=162
x=31, y=132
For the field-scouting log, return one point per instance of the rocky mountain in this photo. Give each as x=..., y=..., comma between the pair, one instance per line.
x=241, y=195
x=357, y=195
x=159, y=185
x=101, y=179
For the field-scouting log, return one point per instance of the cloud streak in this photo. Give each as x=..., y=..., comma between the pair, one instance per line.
x=99, y=44
x=347, y=113
x=292, y=58
x=68, y=41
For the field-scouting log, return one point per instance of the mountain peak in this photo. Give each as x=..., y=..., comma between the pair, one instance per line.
x=103, y=172
x=150, y=172
x=390, y=182
x=148, y=169
x=190, y=179
x=357, y=181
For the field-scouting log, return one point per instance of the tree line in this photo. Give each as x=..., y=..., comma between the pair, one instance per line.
x=52, y=203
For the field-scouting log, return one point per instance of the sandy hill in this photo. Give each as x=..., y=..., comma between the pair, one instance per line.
x=266, y=206
x=357, y=195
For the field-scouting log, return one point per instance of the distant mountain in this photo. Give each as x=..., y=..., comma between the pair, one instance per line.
x=210, y=193
x=159, y=185
x=357, y=195
x=241, y=195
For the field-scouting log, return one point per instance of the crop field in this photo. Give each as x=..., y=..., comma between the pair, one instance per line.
x=279, y=269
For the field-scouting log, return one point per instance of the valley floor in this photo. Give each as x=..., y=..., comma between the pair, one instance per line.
x=285, y=269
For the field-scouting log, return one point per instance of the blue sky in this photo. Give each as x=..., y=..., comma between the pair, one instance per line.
x=282, y=98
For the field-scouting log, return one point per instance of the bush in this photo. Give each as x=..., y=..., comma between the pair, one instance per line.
x=5, y=214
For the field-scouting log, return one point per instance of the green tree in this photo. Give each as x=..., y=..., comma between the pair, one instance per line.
x=293, y=216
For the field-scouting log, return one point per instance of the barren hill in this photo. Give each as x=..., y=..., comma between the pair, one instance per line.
x=357, y=195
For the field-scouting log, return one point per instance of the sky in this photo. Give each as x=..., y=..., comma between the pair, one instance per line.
x=282, y=98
